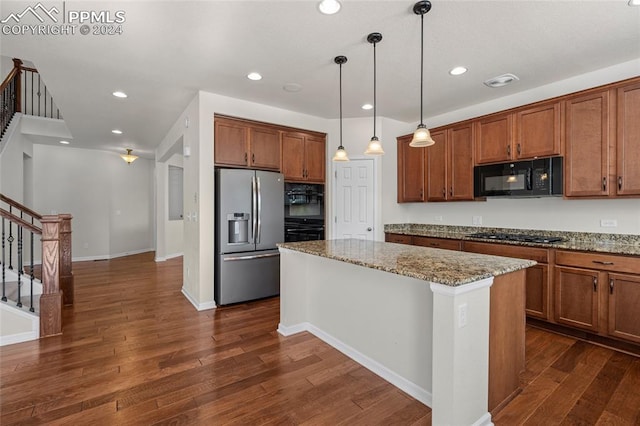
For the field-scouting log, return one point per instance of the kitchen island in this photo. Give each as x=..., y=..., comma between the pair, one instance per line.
x=446, y=327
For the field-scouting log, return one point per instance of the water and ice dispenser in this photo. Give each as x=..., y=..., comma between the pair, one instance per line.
x=238, y=228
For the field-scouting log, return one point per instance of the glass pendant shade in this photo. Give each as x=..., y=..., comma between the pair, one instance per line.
x=421, y=137
x=340, y=155
x=374, y=147
x=128, y=157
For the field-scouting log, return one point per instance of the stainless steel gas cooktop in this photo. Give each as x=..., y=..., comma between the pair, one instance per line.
x=526, y=238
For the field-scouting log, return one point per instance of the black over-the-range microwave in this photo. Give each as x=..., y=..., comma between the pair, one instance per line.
x=533, y=178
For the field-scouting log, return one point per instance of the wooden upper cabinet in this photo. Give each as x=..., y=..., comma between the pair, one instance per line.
x=628, y=141
x=303, y=157
x=494, y=136
x=450, y=164
x=231, y=144
x=411, y=171
x=437, y=167
x=537, y=132
x=586, y=132
x=461, y=162
x=242, y=143
x=264, y=148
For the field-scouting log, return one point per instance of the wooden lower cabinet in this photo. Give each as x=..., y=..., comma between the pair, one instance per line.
x=397, y=238
x=624, y=304
x=576, y=298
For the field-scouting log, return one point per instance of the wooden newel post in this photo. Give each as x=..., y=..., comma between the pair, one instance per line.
x=17, y=63
x=51, y=298
x=66, y=274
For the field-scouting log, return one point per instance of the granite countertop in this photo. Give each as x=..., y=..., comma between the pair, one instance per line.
x=452, y=268
x=580, y=241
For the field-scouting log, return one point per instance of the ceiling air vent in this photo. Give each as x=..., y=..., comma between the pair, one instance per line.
x=501, y=80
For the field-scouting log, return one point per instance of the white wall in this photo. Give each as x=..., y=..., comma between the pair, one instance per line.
x=540, y=213
x=11, y=164
x=110, y=201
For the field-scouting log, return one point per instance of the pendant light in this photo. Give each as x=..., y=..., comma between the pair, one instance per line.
x=129, y=157
x=341, y=154
x=374, y=147
x=421, y=137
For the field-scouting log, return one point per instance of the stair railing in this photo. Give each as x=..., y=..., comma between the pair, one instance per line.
x=10, y=100
x=56, y=273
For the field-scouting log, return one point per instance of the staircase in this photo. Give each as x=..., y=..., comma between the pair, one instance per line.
x=33, y=293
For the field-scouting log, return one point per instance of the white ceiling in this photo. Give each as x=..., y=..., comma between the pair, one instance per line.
x=171, y=49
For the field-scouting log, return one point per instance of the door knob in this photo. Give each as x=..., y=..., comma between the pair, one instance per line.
x=369, y=229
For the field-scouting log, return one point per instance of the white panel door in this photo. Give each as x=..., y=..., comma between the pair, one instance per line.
x=354, y=199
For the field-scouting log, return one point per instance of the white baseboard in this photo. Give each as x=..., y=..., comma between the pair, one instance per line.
x=167, y=257
x=20, y=337
x=484, y=420
x=110, y=256
x=392, y=377
x=199, y=306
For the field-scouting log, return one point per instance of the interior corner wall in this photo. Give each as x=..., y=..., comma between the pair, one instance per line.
x=12, y=166
x=110, y=201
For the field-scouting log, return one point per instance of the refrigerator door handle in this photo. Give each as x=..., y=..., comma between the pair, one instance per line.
x=256, y=256
x=259, y=233
x=254, y=209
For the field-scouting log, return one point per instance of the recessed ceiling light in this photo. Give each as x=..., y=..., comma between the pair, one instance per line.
x=65, y=142
x=458, y=71
x=254, y=76
x=292, y=87
x=116, y=131
x=367, y=106
x=634, y=2
x=329, y=7
x=501, y=80
x=119, y=94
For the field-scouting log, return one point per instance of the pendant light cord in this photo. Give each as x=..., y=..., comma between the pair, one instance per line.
x=341, y=107
x=374, y=90
x=421, y=66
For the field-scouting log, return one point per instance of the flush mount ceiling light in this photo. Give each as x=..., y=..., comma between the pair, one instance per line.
x=119, y=94
x=458, y=71
x=254, y=76
x=374, y=147
x=501, y=80
x=634, y=2
x=116, y=132
x=128, y=157
x=367, y=107
x=65, y=142
x=341, y=153
x=421, y=137
x=329, y=7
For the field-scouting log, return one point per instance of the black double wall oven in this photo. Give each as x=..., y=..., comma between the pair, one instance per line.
x=303, y=212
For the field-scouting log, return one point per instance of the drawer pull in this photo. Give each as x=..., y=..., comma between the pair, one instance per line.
x=595, y=284
x=604, y=184
x=619, y=183
x=602, y=262
x=611, y=286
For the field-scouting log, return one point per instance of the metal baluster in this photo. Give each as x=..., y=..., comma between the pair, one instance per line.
x=32, y=309
x=4, y=293
x=39, y=94
x=32, y=93
x=45, y=100
x=10, y=239
x=20, y=271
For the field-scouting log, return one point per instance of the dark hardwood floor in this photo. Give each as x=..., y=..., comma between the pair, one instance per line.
x=134, y=351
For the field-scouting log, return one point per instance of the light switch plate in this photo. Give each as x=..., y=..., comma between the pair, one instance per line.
x=477, y=220
x=608, y=223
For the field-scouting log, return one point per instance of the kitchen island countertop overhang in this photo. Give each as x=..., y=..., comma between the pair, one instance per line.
x=435, y=323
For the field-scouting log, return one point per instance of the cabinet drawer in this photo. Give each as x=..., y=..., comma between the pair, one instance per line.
x=441, y=243
x=540, y=255
x=602, y=262
x=397, y=238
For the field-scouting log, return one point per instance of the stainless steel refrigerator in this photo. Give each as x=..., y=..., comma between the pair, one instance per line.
x=249, y=206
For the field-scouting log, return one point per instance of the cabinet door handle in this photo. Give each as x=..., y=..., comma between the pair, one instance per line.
x=245, y=158
x=611, y=286
x=421, y=193
x=619, y=183
x=595, y=284
x=518, y=150
x=509, y=150
x=444, y=192
x=253, y=158
x=604, y=183
x=602, y=262
x=451, y=191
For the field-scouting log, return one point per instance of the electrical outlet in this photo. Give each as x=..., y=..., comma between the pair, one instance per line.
x=438, y=218
x=462, y=315
x=476, y=220
x=608, y=223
